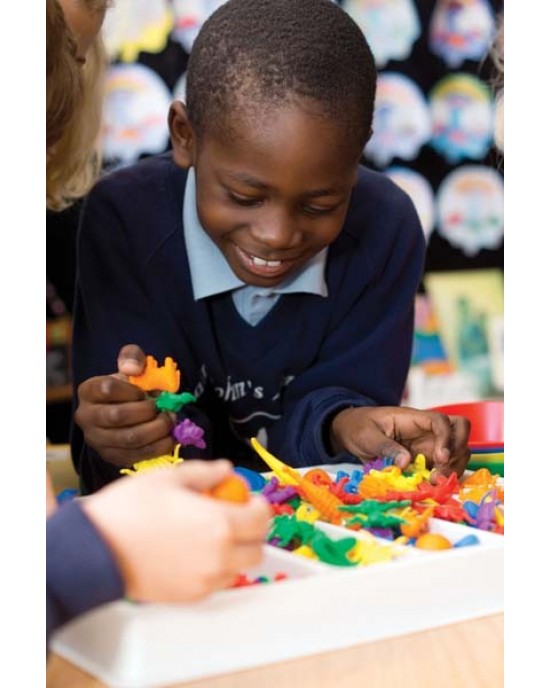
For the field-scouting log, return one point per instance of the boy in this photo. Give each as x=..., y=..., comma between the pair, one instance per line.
x=277, y=272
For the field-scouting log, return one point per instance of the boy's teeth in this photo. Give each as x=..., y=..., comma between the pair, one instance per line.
x=265, y=263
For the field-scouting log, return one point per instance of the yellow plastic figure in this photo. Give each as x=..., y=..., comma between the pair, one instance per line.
x=166, y=461
x=285, y=474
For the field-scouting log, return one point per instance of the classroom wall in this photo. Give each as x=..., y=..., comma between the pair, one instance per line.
x=434, y=124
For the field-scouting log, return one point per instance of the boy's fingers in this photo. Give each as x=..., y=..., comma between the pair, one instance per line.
x=436, y=473
x=107, y=389
x=402, y=459
x=443, y=439
x=385, y=446
x=461, y=429
x=131, y=360
x=129, y=414
x=442, y=457
x=140, y=437
x=453, y=450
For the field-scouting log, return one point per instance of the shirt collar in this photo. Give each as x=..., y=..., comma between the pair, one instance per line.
x=210, y=272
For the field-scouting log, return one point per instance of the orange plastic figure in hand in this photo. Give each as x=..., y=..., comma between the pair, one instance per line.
x=165, y=378
x=232, y=489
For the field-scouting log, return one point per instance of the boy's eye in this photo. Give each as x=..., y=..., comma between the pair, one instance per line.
x=252, y=201
x=246, y=201
x=318, y=210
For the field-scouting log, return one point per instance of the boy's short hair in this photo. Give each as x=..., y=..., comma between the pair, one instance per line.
x=253, y=54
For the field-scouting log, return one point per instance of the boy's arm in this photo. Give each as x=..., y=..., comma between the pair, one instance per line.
x=112, y=304
x=364, y=358
x=108, y=306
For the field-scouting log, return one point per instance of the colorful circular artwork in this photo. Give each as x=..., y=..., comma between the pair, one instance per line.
x=132, y=26
x=420, y=191
x=189, y=16
x=461, y=30
x=391, y=27
x=401, y=123
x=135, y=113
x=462, y=114
x=469, y=208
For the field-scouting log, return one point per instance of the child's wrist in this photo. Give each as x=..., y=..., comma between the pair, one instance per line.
x=333, y=435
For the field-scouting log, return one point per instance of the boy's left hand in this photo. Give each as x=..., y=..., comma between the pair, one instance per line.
x=402, y=433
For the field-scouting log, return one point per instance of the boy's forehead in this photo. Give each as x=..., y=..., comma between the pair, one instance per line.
x=288, y=135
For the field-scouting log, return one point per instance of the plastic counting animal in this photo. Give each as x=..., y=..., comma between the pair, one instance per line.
x=232, y=489
x=318, y=496
x=165, y=378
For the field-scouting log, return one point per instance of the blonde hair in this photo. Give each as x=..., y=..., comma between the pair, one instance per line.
x=74, y=100
x=497, y=54
x=63, y=83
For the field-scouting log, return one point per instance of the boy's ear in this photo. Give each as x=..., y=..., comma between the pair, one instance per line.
x=182, y=135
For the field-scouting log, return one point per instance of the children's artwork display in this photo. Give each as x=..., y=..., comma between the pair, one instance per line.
x=465, y=303
x=135, y=26
x=428, y=349
x=134, y=113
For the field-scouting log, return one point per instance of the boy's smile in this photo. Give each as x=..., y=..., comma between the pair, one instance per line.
x=273, y=191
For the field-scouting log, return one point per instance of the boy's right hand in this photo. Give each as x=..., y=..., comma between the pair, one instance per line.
x=117, y=418
x=171, y=542
x=401, y=433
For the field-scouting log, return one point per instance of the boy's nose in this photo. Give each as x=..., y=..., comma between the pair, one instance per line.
x=277, y=231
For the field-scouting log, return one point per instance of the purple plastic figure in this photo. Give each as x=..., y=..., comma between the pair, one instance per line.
x=189, y=434
x=377, y=464
x=275, y=493
x=485, y=517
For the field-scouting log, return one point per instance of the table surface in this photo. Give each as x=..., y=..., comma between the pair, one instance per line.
x=463, y=655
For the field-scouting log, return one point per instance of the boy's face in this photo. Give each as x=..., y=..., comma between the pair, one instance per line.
x=274, y=192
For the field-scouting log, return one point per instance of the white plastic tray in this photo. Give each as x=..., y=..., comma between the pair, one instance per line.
x=319, y=608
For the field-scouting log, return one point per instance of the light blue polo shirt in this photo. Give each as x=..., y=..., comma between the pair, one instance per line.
x=211, y=274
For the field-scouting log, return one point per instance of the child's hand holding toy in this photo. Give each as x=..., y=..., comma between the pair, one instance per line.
x=402, y=433
x=118, y=419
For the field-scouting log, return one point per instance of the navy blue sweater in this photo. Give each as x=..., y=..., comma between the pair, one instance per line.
x=81, y=572
x=309, y=357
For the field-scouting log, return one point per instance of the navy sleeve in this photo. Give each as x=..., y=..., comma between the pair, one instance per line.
x=107, y=274
x=114, y=304
x=365, y=356
x=80, y=570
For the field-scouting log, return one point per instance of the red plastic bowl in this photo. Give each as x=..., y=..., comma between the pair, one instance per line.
x=487, y=419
